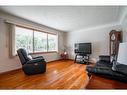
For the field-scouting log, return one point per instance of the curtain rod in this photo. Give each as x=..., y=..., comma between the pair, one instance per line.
x=28, y=26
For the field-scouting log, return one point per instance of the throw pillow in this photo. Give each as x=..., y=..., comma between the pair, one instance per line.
x=30, y=57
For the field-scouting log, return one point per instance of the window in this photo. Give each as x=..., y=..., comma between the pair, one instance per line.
x=40, y=42
x=52, y=42
x=24, y=39
x=35, y=41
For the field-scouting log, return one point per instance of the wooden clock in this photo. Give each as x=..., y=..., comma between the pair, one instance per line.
x=115, y=39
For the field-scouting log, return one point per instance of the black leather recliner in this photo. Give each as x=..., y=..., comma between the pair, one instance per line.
x=104, y=68
x=31, y=65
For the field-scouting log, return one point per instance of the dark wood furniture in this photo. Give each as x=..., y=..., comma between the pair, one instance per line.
x=114, y=40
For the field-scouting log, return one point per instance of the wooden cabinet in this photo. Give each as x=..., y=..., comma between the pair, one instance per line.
x=115, y=39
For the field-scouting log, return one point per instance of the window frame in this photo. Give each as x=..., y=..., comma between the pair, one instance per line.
x=35, y=30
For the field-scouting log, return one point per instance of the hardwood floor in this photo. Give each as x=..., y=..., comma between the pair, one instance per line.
x=59, y=75
x=98, y=82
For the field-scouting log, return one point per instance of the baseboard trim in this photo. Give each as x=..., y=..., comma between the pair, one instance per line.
x=21, y=68
x=54, y=61
x=10, y=71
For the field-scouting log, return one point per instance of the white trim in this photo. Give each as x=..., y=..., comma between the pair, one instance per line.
x=29, y=26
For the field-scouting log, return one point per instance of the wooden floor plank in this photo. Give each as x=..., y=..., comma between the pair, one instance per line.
x=59, y=75
x=98, y=82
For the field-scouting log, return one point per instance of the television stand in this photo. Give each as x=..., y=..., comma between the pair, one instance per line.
x=84, y=58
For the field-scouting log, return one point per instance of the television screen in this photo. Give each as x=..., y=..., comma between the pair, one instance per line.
x=83, y=48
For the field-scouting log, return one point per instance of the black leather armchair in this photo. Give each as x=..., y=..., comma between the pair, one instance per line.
x=104, y=68
x=31, y=65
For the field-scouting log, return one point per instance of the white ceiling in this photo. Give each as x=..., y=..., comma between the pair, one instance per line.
x=66, y=18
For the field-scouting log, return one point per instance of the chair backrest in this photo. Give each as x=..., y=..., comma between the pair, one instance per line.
x=23, y=56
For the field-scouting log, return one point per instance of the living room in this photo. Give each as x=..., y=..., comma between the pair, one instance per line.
x=52, y=34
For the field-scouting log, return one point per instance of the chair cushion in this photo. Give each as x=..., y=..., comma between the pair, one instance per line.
x=34, y=61
x=105, y=58
x=121, y=68
x=107, y=73
x=103, y=64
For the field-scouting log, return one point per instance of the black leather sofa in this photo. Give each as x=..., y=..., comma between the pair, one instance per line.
x=31, y=65
x=104, y=68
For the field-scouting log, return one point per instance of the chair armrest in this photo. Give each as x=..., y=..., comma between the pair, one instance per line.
x=35, y=61
x=104, y=58
x=38, y=57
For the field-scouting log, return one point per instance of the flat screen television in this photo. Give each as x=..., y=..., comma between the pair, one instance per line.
x=85, y=48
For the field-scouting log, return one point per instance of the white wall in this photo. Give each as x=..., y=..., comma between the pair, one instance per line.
x=7, y=63
x=122, y=52
x=124, y=28
x=98, y=36
x=124, y=25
